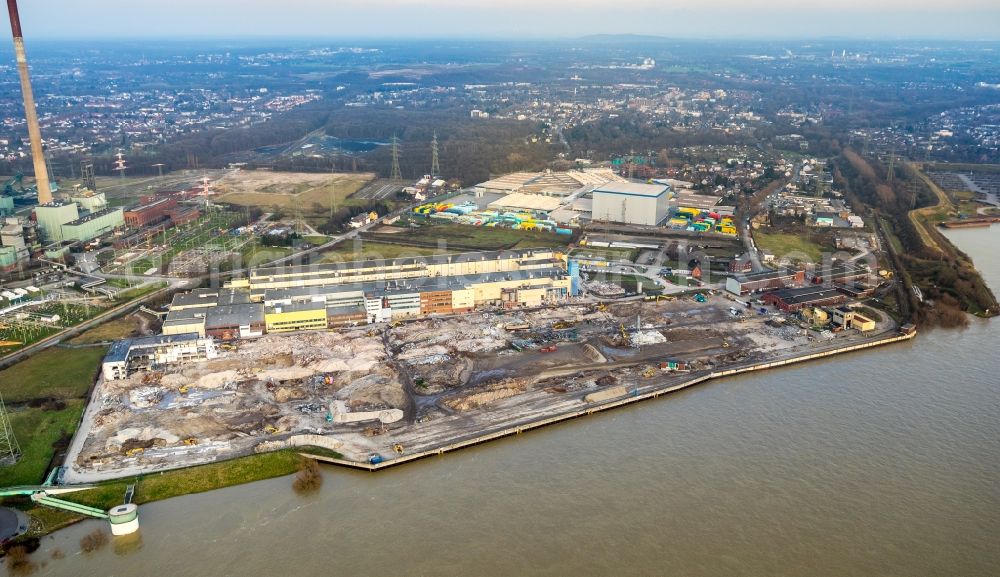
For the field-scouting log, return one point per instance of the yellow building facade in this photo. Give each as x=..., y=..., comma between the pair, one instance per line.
x=295, y=317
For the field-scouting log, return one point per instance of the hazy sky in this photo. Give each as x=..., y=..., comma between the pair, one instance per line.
x=890, y=19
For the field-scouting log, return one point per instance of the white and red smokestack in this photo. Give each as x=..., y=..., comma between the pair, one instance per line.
x=34, y=132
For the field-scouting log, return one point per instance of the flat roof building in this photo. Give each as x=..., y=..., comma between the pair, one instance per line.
x=523, y=201
x=186, y=320
x=458, y=265
x=549, y=183
x=93, y=225
x=231, y=321
x=631, y=203
x=150, y=213
x=295, y=317
x=795, y=299
x=765, y=280
x=89, y=200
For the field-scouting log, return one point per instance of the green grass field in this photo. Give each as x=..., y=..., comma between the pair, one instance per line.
x=253, y=254
x=478, y=237
x=119, y=328
x=159, y=486
x=608, y=253
x=53, y=373
x=793, y=246
x=130, y=294
x=347, y=251
x=318, y=239
x=36, y=430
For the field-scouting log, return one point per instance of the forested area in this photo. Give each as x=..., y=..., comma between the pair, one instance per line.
x=947, y=278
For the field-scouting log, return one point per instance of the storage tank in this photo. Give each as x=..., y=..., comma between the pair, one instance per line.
x=124, y=519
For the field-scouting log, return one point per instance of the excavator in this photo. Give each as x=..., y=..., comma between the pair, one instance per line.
x=626, y=340
x=18, y=180
x=15, y=186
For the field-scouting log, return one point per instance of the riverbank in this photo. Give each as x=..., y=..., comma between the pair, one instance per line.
x=167, y=484
x=970, y=222
x=208, y=477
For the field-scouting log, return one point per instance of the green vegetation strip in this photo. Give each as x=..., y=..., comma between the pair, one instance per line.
x=789, y=245
x=159, y=486
x=137, y=292
x=113, y=330
x=37, y=430
x=53, y=373
x=474, y=237
x=347, y=251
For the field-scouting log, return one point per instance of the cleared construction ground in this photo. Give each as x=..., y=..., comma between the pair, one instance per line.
x=289, y=190
x=381, y=393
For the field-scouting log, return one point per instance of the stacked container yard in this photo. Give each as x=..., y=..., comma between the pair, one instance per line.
x=467, y=214
x=695, y=220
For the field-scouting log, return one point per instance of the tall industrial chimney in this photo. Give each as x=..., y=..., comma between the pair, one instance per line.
x=34, y=132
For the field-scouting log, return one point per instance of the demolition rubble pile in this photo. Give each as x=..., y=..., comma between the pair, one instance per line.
x=268, y=386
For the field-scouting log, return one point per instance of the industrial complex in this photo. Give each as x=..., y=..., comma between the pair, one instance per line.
x=288, y=299
x=243, y=370
x=582, y=289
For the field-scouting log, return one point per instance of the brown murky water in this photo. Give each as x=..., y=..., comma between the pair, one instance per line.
x=877, y=463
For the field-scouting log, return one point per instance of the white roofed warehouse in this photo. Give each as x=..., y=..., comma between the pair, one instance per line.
x=631, y=203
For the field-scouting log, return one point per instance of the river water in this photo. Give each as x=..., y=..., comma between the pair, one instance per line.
x=876, y=463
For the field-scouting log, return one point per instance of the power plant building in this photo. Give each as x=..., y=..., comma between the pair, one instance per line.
x=52, y=216
x=631, y=203
x=89, y=200
x=8, y=258
x=12, y=238
x=150, y=213
x=93, y=225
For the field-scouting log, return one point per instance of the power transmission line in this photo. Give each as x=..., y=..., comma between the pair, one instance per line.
x=435, y=167
x=396, y=174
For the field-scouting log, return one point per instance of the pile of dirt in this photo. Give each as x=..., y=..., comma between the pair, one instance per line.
x=488, y=395
x=607, y=381
x=377, y=390
x=286, y=374
x=648, y=338
x=285, y=394
x=592, y=354
x=438, y=377
x=319, y=350
x=456, y=335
